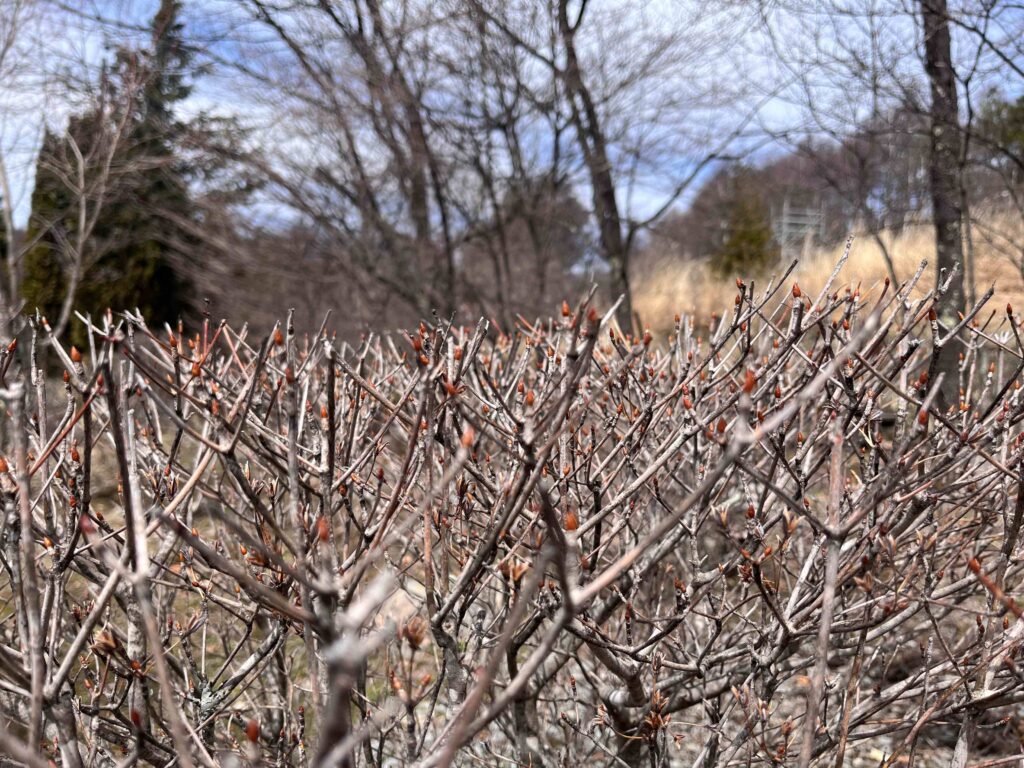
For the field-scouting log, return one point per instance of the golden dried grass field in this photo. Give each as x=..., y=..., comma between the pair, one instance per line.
x=666, y=286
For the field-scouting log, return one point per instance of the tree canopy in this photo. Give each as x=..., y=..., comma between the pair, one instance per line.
x=111, y=207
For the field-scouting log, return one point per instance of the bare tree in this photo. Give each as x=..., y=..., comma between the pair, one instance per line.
x=16, y=17
x=417, y=164
x=946, y=168
x=852, y=74
x=637, y=98
x=359, y=92
x=85, y=164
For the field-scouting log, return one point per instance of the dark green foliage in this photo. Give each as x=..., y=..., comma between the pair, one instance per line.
x=137, y=227
x=44, y=281
x=1000, y=133
x=748, y=245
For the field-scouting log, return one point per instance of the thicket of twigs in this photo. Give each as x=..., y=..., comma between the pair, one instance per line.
x=559, y=546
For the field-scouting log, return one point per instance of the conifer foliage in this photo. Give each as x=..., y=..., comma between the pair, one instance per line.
x=746, y=243
x=749, y=244
x=112, y=206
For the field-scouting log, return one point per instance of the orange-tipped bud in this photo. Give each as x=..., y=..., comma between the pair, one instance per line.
x=571, y=521
x=749, y=382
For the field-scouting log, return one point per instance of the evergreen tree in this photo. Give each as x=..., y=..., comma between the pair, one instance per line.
x=749, y=245
x=1000, y=135
x=140, y=226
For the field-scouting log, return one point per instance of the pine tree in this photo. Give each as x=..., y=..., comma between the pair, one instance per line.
x=748, y=246
x=128, y=257
x=1000, y=135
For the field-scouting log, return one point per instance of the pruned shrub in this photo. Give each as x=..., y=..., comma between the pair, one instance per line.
x=793, y=540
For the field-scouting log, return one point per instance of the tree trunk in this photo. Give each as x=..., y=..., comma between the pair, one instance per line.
x=592, y=143
x=944, y=173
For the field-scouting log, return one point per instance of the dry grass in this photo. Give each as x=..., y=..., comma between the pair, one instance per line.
x=669, y=286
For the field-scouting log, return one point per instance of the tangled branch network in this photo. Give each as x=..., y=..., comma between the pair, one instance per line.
x=789, y=538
